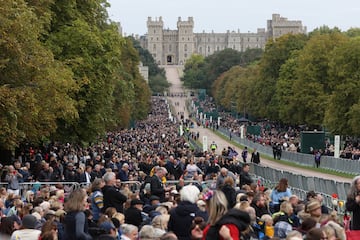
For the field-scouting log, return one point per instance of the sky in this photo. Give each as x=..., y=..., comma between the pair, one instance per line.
x=222, y=15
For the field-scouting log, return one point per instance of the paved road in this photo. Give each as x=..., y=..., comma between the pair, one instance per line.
x=172, y=75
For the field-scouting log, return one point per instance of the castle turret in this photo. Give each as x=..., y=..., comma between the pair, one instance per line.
x=186, y=41
x=155, y=39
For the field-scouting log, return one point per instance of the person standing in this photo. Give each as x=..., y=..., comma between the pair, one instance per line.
x=112, y=196
x=75, y=223
x=353, y=203
x=255, y=156
x=317, y=158
x=157, y=187
x=245, y=178
x=13, y=177
x=244, y=154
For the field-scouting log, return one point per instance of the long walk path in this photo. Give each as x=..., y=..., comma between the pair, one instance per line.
x=172, y=75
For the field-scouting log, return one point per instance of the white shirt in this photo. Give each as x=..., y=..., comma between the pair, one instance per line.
x=26, y=234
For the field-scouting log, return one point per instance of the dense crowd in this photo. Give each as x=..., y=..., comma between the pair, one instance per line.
x=146, y=183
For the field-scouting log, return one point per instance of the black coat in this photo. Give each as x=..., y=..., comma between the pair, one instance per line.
x=255, y=157
x=354, y=207
x=181, y=219
x=113, y=198
x=234, y=216
x=245, y=179
x=133, y=216
x=157, y=188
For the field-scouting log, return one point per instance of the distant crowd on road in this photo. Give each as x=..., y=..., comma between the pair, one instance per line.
x=147, y=183
x=273, y=134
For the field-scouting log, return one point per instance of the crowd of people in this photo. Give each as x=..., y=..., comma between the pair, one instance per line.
x=147, y=183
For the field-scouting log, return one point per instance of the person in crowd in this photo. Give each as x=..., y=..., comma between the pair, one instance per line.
x=133, y=215
x=313, y=208
x=245, y=178
x=224, y=173
x=75, y=224
x=197, y=227
x=259, y=204
x=353, y=203
x=316, y=234
x=49, y=230
x=129, y=232
x=282, y=220
x=223, y=223
x=228, y=188
x=123, y=174
x=27, y=230
x=157, y=187
x=255, y=156
x=97, y=198
x=13, y=177
x=9, y=225
x=182, y=216
x=110, y=231
x=112, y=196
x=317, y=158
x=279, y=194
x=244, y=154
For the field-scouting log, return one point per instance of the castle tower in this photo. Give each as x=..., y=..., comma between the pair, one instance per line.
x=155, y=39
x=186, y=41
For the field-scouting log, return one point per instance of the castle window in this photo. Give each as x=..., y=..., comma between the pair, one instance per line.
x=234, y=47
x=209, y=40
x=234, y=39
x=151, y=39
x=257, y=39
x=154, y=31
x=154, y=47
x=188, y=39
x=157, y=39
x=217, y=48
x=218, y=39
x=185, y=55
x=185, y=31
x=208, y=48
x=183, y=39
x=248, y=39
x=200, y=49
x=170, y=48
x=185, y=47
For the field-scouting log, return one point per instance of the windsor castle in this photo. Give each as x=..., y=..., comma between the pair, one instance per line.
x=176, y=46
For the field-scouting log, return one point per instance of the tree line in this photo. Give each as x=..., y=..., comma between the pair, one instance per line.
x=66, y=74
x=309, y=79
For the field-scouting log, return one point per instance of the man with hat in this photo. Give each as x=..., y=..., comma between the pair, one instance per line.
x=27, y=230
x=133, y=215
x=313, y=208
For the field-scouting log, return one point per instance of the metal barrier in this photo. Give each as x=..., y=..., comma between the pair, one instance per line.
x=327, y=162
x=302, y=184
x=35, y=186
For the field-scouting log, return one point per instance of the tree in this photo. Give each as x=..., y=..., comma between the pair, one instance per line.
x=276, y=54
x=312, y=86
x=35, y=88
x=342, y=113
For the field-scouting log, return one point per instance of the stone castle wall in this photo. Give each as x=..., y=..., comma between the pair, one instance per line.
x=176, y=46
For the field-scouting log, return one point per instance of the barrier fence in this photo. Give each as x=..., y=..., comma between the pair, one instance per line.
x=300, y=184
x=327, y=162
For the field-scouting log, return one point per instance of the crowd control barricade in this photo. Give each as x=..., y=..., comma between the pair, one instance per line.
x=302, y=184
x=327, y=162
x=36, y=186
